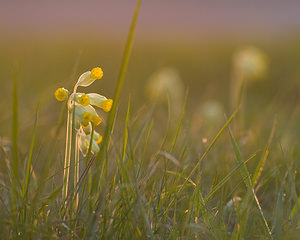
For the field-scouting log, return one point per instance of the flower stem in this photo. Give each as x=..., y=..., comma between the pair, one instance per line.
x=67, y=155
x=76, y=171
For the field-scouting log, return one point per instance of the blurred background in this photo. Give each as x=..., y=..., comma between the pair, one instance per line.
x=52, y=42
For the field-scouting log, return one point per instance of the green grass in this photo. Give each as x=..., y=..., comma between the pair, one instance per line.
x=156, y=175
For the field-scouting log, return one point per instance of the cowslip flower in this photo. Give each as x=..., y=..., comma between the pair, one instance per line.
x=84, y=100
x=100, y=101
x=85, y=114
x=82, y=117
x=61, y=94
x=94, y=99
x=82, y=106
x=87, y=78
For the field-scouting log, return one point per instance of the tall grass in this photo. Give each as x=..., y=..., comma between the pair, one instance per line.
x=154, y=178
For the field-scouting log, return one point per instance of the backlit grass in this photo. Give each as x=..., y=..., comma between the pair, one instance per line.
x=192, y=164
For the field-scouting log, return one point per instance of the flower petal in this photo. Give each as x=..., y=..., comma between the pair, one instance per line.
x=85, y=79
x=96, y=99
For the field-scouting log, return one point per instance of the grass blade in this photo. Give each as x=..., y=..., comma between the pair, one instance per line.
x=111, y=117
x=262, y=161
x=202, y=157
x=278, y=214
x=28, y=165
x=15, y=132
x=247, y=180
x=179, y=122
x=226, y=178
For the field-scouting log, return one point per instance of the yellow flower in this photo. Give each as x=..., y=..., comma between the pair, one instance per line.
x=106, y=105
x=61, y=94
x=96, y=119
x=86, y=114
x=89, y=77
x=96, y=73
x=84, y=100
x=87, y=117
x=80, y=98
x=82, y=117
x=100, y=101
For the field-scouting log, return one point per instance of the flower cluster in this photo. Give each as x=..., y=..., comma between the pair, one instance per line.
x=81, y=110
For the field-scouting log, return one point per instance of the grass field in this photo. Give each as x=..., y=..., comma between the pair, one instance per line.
x=184, y=160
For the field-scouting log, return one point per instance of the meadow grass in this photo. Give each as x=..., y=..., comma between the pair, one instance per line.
x=155, y=177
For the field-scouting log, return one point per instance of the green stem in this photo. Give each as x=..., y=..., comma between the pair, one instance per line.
x=111, y=117
x=28, y=165
x=76, y=171
x=15, y=128
x=88, y=158
x=67, y=155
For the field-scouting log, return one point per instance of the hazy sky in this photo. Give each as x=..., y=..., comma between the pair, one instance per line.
x=157, y=18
